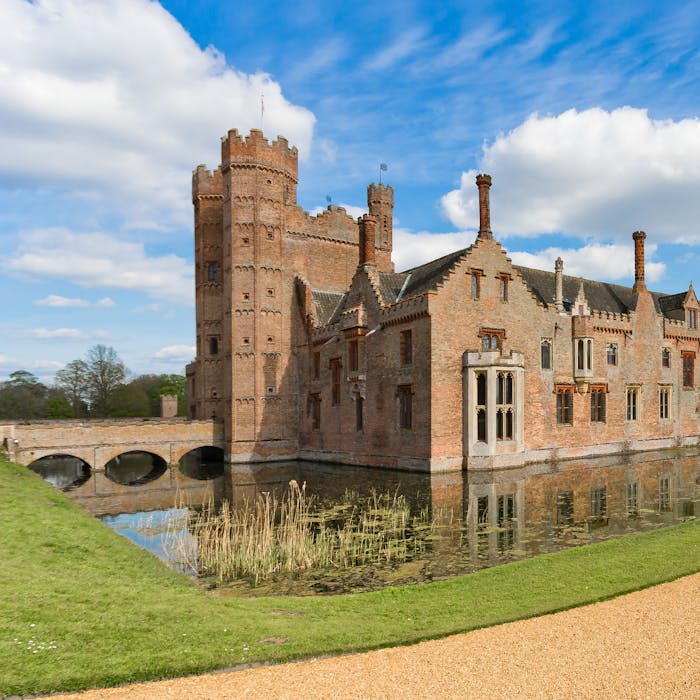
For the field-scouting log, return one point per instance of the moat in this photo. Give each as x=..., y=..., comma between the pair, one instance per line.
x=461, y=521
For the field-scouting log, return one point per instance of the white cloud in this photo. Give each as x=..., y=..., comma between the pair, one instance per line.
x=59, y=302
x=176, y=353
x=99, y=260
x=415, y=248
x=66, y=334
x=589, y=174
x=594, y=261
x=598, y=261
x=114, y=100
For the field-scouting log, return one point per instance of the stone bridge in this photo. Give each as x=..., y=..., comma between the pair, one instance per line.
x=96, y=442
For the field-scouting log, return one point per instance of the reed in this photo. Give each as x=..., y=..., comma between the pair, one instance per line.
x=271, y=535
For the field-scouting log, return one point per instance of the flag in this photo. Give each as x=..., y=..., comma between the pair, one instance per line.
x=383, y=166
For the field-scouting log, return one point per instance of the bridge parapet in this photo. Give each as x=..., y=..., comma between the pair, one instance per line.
x=98, y=441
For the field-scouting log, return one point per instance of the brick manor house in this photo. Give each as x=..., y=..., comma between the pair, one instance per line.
x=310, y=345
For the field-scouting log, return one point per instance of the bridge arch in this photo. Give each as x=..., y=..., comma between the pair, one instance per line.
x=134, y=467
x=62, y=470
x=202, y=463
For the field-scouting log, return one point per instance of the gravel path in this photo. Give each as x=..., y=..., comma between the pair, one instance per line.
x=641, y=645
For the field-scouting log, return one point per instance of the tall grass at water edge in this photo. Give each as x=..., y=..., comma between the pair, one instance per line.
x=291, y=533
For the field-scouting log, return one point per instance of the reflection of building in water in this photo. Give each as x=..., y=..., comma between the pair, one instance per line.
x=540, y=509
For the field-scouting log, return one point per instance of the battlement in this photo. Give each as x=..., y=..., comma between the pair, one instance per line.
x=380, y=193
x=256, y=150
x=206, y=182
x=333, y=223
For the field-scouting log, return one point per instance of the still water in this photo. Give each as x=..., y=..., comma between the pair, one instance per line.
x=479, y=519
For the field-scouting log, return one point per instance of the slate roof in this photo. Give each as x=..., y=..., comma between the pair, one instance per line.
x=672, y=302
x=601, y=296
x=390, y=285
x=328, y=305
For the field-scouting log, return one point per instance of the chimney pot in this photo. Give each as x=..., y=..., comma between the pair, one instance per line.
x=639, y=283
x=559, y=285
x=367, y=239
x=483, y=182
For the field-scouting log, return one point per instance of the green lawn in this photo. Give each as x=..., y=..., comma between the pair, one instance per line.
x=81, y=606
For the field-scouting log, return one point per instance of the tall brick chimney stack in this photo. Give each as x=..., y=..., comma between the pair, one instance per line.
x=559, y=284
x=639, y=284
x=367, y=238
x=483, y=182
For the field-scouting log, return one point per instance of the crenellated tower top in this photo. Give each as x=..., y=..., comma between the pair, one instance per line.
x=206, y=183
x=380, y=203
x=256, y=151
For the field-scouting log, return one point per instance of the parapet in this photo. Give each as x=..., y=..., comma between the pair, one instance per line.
x=255, y=149
x=380, y=193
x=206, y=182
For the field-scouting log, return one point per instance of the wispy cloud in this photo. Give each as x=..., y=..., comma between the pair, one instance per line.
x=67, y=334
x=59, y=302
x=99, y=260
x=405, y=45
x=176, y=353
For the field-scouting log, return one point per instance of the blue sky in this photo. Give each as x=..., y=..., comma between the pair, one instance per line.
x=585, y=114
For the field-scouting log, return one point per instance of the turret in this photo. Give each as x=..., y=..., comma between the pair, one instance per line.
x=255, y=152
x=380, y=203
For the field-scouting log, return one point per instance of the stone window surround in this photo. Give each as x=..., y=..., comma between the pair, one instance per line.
x=491, y=363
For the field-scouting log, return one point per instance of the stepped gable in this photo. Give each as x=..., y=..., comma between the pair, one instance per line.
x=328, y=305
x=601, y=296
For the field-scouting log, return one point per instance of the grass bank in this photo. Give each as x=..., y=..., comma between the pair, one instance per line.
x=80, y=606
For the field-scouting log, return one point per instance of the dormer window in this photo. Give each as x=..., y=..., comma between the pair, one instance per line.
x=691, y=317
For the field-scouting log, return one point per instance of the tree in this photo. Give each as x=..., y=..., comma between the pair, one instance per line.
x=129, y=401
x=58, y=405
x=105, y=372
x=23, y=397
x=73, y=380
